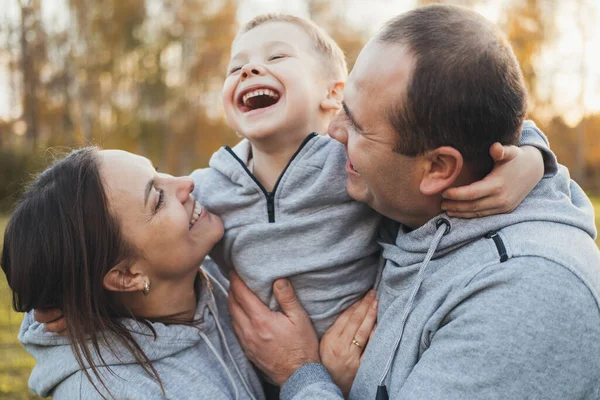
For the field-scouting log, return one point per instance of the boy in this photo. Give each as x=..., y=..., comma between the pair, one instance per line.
x=282, y=194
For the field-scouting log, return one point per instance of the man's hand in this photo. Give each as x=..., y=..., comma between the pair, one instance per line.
x=517, y=170
x=276, y=342
x=52, y=319
x=343, y=345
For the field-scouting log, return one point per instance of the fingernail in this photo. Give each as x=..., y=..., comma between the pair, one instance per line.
x=374, y=305
x=444, y=195
x=282, y=284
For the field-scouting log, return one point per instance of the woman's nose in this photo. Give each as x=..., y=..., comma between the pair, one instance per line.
x=185, y=186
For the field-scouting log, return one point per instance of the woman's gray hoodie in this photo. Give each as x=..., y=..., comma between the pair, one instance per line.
x=202, y=362
x=500, y=307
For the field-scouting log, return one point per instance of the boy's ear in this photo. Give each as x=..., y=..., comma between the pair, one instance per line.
x=442, y=167
x=334, y=97
x=123, y=278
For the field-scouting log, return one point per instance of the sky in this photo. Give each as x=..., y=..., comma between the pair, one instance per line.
x=560, y=66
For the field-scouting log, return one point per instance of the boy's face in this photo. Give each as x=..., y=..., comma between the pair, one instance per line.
x=274, y=83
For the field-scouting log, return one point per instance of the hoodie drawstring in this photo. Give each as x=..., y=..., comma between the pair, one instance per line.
x=443, y=227
x=223, y=338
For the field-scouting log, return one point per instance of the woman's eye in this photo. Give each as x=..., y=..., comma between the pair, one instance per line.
x=161, y=200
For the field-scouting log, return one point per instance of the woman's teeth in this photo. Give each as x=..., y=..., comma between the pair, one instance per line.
x=196, y=213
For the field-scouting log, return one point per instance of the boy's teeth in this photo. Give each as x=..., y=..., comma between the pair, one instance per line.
x=260, y=92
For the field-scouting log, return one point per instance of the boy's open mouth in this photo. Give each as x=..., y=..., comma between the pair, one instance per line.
x=257, y=97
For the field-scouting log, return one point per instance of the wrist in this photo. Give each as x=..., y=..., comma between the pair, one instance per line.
x=295, y=366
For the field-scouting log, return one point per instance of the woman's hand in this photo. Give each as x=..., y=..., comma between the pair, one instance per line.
x=343, y=345
x=53, y=320
x=517, y=170
x=276, y=342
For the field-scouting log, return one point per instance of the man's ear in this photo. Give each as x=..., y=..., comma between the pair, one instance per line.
x=124, y=278
x=442, y=167
x=334, y=97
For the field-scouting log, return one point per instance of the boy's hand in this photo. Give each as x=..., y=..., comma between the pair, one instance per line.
x=343, y=345
x=276, y=342
x=52, y=319
x=517, y=170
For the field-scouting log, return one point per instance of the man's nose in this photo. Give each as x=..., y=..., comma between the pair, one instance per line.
x=184, y=186
x=250, y=70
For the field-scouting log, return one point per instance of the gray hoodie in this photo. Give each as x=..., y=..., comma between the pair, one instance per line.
x=202, y=362
x=307, y=229
x=500, y=307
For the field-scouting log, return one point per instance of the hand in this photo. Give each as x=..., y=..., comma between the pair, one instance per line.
x=340, y=355
x=53, y=320
x=517, y=170
x=276, y=342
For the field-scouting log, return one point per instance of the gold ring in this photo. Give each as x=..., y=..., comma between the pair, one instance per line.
x=354, y=341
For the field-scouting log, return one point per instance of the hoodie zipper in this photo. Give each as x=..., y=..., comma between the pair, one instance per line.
x=270, y=196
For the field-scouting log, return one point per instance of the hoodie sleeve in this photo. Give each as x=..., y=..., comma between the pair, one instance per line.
x=524, y=329
x=533, y=136
x=311, y=381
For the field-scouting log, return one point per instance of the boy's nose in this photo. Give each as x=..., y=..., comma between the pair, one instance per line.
x=337, y=131
x=250, y=70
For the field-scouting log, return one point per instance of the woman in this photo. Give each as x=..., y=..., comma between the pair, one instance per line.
x=116, y=246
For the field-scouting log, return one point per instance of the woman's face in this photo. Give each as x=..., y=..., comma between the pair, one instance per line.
x=158, y=215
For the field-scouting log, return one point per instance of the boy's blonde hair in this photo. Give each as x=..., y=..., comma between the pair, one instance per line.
x=335, y=60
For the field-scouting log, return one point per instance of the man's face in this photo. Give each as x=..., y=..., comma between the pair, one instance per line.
x=377, y=175
x=275, y=82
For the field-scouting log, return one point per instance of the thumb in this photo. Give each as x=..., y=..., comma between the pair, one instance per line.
x=286, y=297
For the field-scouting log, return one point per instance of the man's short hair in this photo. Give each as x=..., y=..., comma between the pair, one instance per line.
x=334, y=60
x=466, y=90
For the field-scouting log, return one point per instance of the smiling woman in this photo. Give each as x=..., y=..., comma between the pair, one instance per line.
x=120, y=256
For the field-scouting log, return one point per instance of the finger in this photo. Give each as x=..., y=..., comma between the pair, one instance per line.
x=486, y=203
x=45, y=316
x=247, y=301
x=59, y=326
x=497, y=151
x=341, y=321
x=474, y=191
x=237, y=312
x=286, y=297
x=357, y=318
x=370, y=337
x=365, y=329
x=477, y=214
x=508, y=153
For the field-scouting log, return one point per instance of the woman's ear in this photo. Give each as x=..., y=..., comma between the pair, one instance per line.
x=123, y=278
x=334, y=97
x=442, y=167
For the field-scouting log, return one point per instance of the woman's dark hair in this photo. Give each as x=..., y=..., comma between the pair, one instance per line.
x=59, y=244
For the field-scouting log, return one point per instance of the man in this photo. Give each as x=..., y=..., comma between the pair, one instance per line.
x=505, y=306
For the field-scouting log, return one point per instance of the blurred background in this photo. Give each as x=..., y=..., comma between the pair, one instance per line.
x=145, y=76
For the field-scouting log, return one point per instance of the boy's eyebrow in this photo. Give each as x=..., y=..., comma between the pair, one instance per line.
x=268, y=44
x=351, y=117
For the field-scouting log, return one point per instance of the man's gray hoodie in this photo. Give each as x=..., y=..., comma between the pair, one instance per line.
x=200, y=362
x=500, y=307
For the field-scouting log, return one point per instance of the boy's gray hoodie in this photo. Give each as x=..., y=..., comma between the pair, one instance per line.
x=307, y=229
x=201, y=362
x=500, y=307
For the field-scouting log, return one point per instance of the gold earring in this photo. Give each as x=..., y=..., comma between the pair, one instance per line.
x=146, y=289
